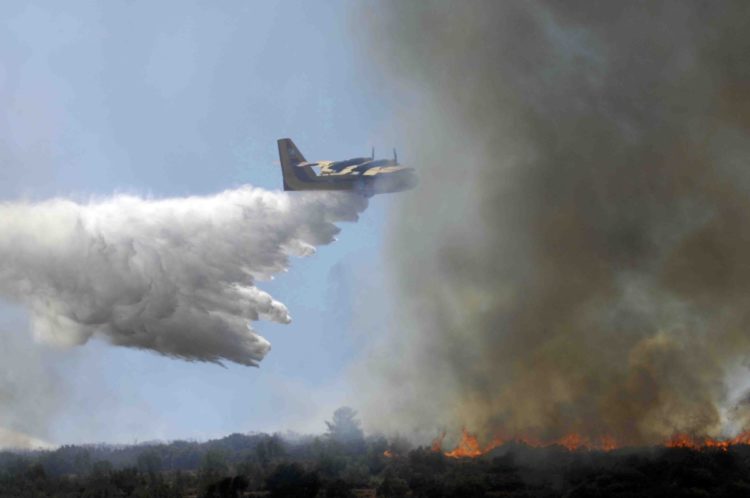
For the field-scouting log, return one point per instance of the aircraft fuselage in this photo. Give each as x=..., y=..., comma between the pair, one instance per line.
x=362, y=174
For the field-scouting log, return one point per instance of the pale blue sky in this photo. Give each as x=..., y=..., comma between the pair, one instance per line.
x=177, y=98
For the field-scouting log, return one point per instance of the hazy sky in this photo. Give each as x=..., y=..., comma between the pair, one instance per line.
x=182, y=98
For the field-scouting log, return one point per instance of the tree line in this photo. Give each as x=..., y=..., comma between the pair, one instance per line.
x=344, y=462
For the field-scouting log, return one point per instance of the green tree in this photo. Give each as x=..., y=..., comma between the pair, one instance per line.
x=393, y=487
x=214, y=467
x=150, y=463
x=345, y=427
x=289, y=480
x=269, y=449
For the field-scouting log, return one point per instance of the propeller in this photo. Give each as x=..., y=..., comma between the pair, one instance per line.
x=395, y=156
x=372, y=156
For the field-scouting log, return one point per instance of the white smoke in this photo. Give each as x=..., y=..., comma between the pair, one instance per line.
x=17, y=440
x=175, y=276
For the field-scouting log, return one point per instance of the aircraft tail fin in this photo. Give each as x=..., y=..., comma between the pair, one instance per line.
x=291, y=159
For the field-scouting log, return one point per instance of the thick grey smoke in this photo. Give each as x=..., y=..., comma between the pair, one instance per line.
x=175, y=276
x=577, y=257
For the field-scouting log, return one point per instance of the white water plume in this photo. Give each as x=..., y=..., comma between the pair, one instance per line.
x=176, y=276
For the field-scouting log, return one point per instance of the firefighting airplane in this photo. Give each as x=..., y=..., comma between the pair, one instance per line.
x=365, y=175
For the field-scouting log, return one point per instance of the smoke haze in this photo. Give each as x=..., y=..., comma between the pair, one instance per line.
x=175, y=276
x=31, y=389
x=576, y=256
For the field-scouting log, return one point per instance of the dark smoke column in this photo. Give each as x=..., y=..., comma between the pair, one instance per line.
x=577, y=257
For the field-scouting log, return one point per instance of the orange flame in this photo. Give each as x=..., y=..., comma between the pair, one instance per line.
x=687, y=441
x=608, y=443
x=437, y=443
x=388, y=454
x=470, y=447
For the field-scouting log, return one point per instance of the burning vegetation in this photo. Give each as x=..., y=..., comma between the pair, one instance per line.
x=344, y=462
x=327, y=466
x=573, y=267
x=469, y=445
